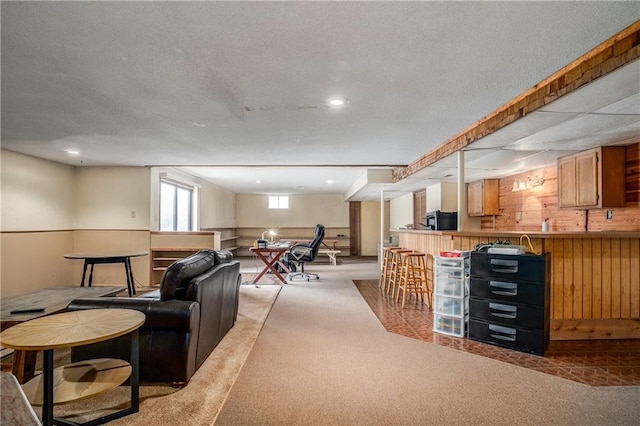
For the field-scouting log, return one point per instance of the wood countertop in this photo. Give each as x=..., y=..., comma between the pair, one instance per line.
x=531, y=234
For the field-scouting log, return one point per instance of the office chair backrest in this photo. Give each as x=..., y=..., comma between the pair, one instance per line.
x=317, y=240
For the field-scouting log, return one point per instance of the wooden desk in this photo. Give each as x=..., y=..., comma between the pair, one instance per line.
x=270, y=256
x=92, y=258
x=71, y=329
x=52, y=300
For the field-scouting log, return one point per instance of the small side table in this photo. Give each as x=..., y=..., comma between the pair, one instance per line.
x=71, y=329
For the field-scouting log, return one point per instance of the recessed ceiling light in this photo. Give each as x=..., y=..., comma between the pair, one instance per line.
x=329, y=181
x=72, y=152
x=337, y=102
x=257, y=181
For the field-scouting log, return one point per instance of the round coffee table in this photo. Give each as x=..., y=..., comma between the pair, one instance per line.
x=71, y=329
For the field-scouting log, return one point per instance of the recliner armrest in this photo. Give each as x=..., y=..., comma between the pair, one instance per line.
x=168, y=314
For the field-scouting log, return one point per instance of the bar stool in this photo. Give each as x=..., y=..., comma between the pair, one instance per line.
x=395, y=269
x=413, y=279
x=430, y=262
x=386, y=267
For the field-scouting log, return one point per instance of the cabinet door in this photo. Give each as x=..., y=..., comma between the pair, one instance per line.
x=475, y=199
x=483, y=197
x=587, y=179
x=567, y=185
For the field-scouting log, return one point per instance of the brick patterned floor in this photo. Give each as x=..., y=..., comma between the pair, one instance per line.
x=592, y=362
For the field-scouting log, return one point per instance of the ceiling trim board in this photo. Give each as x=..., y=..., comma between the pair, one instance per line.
x=617, y=51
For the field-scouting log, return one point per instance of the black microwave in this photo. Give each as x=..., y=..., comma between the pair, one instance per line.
x=441, y=221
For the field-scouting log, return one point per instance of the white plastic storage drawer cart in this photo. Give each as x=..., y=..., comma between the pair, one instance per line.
x=451, y=295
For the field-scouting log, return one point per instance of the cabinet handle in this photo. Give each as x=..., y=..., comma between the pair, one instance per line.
x=505, y=289
x=503, y=311
x=504, y=266
x=506, y=333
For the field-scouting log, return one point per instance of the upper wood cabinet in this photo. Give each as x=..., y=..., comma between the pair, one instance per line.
x=483, y=197
x=592, y=179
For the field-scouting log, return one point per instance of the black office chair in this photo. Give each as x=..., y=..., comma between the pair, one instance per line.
x=299, y=254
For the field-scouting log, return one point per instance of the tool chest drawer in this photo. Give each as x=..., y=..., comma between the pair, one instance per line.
x=520, y=339
x=507, y=291
x=510, y=267
x=507, y=313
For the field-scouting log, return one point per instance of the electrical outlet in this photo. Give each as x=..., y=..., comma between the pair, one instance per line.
x=133, y=214
x=609, y=214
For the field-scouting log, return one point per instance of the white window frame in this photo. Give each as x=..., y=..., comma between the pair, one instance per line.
x=193, y=188
x=278, y=201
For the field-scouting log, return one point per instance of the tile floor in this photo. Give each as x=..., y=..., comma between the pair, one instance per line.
x=595, y=363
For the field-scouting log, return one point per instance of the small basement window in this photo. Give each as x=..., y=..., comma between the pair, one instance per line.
x=278, y=201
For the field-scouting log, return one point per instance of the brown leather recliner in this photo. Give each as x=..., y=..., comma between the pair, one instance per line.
x=197, y=304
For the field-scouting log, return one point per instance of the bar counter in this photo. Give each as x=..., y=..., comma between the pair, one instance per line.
x=595, y=276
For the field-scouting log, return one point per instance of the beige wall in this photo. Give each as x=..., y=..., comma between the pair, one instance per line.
x=304, y=211
x=112, y=198
x=370, y=227
x=401, y=211
x=36, y=195
x=37, y=223
x=32, y=261
x=217, y=207
x=49, y=209
x=442, y=196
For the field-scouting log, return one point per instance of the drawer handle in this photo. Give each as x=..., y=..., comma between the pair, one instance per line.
x=504, y=289
x=508, y=334
x=504, y=266
x=503, y=311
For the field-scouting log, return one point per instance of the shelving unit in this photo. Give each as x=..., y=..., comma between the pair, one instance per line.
x=336, y=238
x=451, y=295
x=228, y=238
x=162, y=258
x=169, y=247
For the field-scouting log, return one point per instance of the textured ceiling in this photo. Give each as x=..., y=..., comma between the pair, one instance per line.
x=246, y=83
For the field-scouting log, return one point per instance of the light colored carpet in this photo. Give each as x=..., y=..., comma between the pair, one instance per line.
x=200, y=401
x=323, y=358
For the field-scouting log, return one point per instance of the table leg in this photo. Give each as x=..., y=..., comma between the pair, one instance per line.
x=134, y=382
x=264, y=270
x=135, y=371
x=84, y=273
x=130, y=283
x=47, y=390
x=24, y=365
x=90, y=276
x=269, y=267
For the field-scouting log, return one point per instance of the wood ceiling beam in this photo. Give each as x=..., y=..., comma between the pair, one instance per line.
x=610, y=55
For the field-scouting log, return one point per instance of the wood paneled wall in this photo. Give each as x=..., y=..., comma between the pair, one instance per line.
x=595, y=281
x=595, y=278
x=525, y=210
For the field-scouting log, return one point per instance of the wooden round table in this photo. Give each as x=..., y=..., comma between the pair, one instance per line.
x=71, y=329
